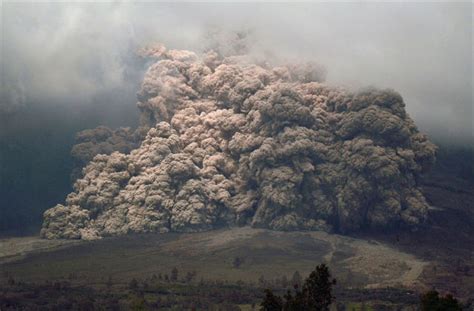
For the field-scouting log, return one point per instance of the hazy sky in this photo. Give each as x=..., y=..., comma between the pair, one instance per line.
x=73, y=52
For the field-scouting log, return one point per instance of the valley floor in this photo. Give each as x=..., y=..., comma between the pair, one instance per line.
x=229, y=268
x=235, y=264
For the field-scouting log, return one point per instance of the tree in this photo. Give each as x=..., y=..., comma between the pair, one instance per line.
x=237, y=262
x=174, y=274
x=317, y=289
x=296, y=280
x=137, y=303
x=293, y=303
x=431, y=301
x=271, y=302
x=190, y=276
x=133, y=285
x=109, y=282
x=11, y=280
x=315, y=295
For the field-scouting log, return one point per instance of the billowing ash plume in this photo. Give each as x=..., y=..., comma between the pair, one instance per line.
x=102, y=140
x=235, y=143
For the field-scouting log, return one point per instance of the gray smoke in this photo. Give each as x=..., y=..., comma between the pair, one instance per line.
x=234, y=141
x=68, y=52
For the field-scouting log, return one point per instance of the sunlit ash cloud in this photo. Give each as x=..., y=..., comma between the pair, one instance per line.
x=230, y=142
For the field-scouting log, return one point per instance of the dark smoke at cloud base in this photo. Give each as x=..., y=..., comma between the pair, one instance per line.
x=35, y=157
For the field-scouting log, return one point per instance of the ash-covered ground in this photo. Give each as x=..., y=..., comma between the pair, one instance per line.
x=230, y=141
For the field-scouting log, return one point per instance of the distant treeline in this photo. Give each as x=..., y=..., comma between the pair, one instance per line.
x=188, y=291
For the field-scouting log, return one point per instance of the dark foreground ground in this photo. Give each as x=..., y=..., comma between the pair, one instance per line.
x=228, y=269
x=224, y=269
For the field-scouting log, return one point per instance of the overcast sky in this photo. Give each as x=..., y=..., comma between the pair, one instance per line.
x=71, y=52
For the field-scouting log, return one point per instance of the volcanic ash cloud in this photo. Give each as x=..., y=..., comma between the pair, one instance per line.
x=230, y=142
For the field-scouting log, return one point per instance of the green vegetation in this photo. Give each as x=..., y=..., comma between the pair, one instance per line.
x=147, y=294
x=316, y=294
x=196, y=293
x=432, y=301
x=138, y=271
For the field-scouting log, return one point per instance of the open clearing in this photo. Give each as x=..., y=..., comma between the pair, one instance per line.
x=355, y=262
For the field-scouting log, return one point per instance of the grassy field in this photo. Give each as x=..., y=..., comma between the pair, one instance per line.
x=207, y=269
x=263, y=254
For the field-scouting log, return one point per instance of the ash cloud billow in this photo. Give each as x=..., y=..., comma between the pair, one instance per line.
x=101, y=140
x=231, y=141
